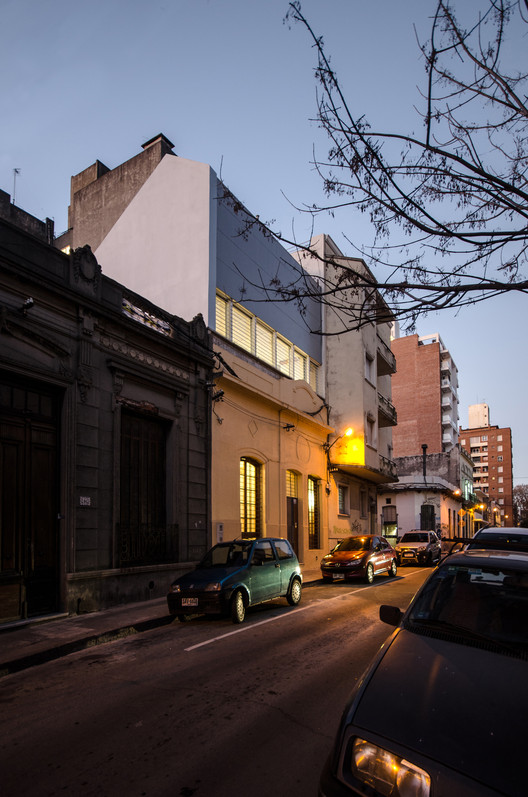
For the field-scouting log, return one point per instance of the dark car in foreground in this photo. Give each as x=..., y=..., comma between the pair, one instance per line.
x=441, y=709
x=418, y=548
x=235, y=575
x=503, y=537
x=364, y=556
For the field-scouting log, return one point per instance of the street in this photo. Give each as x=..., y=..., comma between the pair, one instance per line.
x=204, y=708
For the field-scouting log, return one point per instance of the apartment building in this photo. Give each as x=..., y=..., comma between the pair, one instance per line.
x=434, y=489
x=282, y=393
x=490, y=448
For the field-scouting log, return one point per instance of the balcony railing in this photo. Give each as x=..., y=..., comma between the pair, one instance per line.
x=387, y=415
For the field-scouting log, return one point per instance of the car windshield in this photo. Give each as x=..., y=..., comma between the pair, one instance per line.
x=517, y=542
x=227, y=554
x=488, y=603
x=415, y=536
x=353, y=544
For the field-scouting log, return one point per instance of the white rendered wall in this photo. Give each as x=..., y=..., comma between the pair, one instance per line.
x=164, y=244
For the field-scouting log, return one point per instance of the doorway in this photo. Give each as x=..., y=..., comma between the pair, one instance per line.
x=29, y=533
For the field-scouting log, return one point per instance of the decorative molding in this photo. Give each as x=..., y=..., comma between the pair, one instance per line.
x=143, y=358
x=86, y=269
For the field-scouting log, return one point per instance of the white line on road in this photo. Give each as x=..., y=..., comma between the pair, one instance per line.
x=286, y=614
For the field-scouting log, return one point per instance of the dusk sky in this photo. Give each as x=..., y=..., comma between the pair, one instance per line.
x=232, y=86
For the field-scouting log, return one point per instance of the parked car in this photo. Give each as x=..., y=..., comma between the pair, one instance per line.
x=235, y=575
x=438, y=711
x=419, y=548
x=363, y=556
x=507, y=537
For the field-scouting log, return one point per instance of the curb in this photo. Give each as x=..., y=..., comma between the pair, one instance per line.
x=25, y=662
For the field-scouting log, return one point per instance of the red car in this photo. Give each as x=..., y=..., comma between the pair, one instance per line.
x=363, y=556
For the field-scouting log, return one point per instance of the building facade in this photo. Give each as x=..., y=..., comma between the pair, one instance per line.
x=435, y=487
x=104, y=432
x=282, y=391
x=490, y=448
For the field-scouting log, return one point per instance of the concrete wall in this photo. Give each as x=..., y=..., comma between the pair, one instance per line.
x=163, y=245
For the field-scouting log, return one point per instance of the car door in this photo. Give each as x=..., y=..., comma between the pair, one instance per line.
x=265, y=572
x=378, y=555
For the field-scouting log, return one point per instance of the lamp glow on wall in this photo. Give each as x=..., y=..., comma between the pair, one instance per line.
x=351, y=451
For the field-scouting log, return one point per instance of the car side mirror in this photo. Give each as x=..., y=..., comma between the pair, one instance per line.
x=390, y=614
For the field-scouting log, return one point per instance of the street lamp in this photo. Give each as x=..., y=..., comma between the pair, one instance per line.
x=347, y=433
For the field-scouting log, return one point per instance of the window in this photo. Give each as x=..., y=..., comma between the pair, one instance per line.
x=242, y=328
x=314, y=520
x=283, y=549
x=283, y=356
x=299, y=365
x=371, y=431
x=484, y=437
x=250, y=333
x=499, y=448
x=250, y=496
x=363, y=503
x=291, y=484
x=342, y=498
x=143, y=530
x=499, y=438
x=499, y=459
x=264, y=343
x=369, y=367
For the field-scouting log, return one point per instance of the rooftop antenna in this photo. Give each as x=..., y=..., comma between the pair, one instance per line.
x=15, y=172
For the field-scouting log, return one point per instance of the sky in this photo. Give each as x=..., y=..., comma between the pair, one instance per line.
x=231, y=85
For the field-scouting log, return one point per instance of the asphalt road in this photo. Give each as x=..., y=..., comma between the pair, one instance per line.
x=204, y=708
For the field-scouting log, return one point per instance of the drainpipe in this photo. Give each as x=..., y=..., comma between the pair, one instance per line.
x=424, y=462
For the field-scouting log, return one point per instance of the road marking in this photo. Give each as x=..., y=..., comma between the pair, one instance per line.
x=286, y=614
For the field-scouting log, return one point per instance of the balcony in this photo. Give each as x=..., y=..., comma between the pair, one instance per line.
x=387, y=415
x=385, y=359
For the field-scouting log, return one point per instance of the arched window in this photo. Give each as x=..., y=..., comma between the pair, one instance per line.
x=250, y=498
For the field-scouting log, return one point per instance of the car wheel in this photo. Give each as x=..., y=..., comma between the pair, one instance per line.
x=369, y=573
x=238, y=609
x=393, y=568
x=294, y=595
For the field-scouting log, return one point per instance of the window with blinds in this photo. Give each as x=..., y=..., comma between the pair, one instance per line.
x=283, y=356
x=250, y=333
x=241, y=329
x=264, y=348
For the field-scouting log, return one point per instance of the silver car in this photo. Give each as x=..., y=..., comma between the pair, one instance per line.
x=419, y=548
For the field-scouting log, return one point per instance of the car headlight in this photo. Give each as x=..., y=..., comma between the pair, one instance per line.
x=214, y=586
x=388, y=773
x=174, y=588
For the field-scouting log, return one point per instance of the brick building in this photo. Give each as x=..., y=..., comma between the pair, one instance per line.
x=490, y=448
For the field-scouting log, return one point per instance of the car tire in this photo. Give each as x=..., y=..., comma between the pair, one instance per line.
x=393, y=568
x=295, y=593
x=238, y=607
x=369, y=573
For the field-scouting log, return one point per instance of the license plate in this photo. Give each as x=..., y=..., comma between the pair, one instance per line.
x=408, y=555
x=189, y=601
x=338, y=576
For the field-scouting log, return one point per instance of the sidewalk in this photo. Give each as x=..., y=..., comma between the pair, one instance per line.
x=27, y=643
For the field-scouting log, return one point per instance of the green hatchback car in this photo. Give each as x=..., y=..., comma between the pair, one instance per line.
x=235, y=575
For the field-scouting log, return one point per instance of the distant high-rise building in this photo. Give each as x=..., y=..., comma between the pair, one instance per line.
x=490, y=448
x=425, y=394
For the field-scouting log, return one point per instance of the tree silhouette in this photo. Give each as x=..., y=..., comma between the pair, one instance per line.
x=449, y=205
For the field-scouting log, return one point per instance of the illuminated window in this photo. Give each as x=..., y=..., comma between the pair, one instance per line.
x=299, y=365
x=241, y=328
x=264, y=343
x=250, y=514
x=291, y=484
x=314, y=520
x=250, y=333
